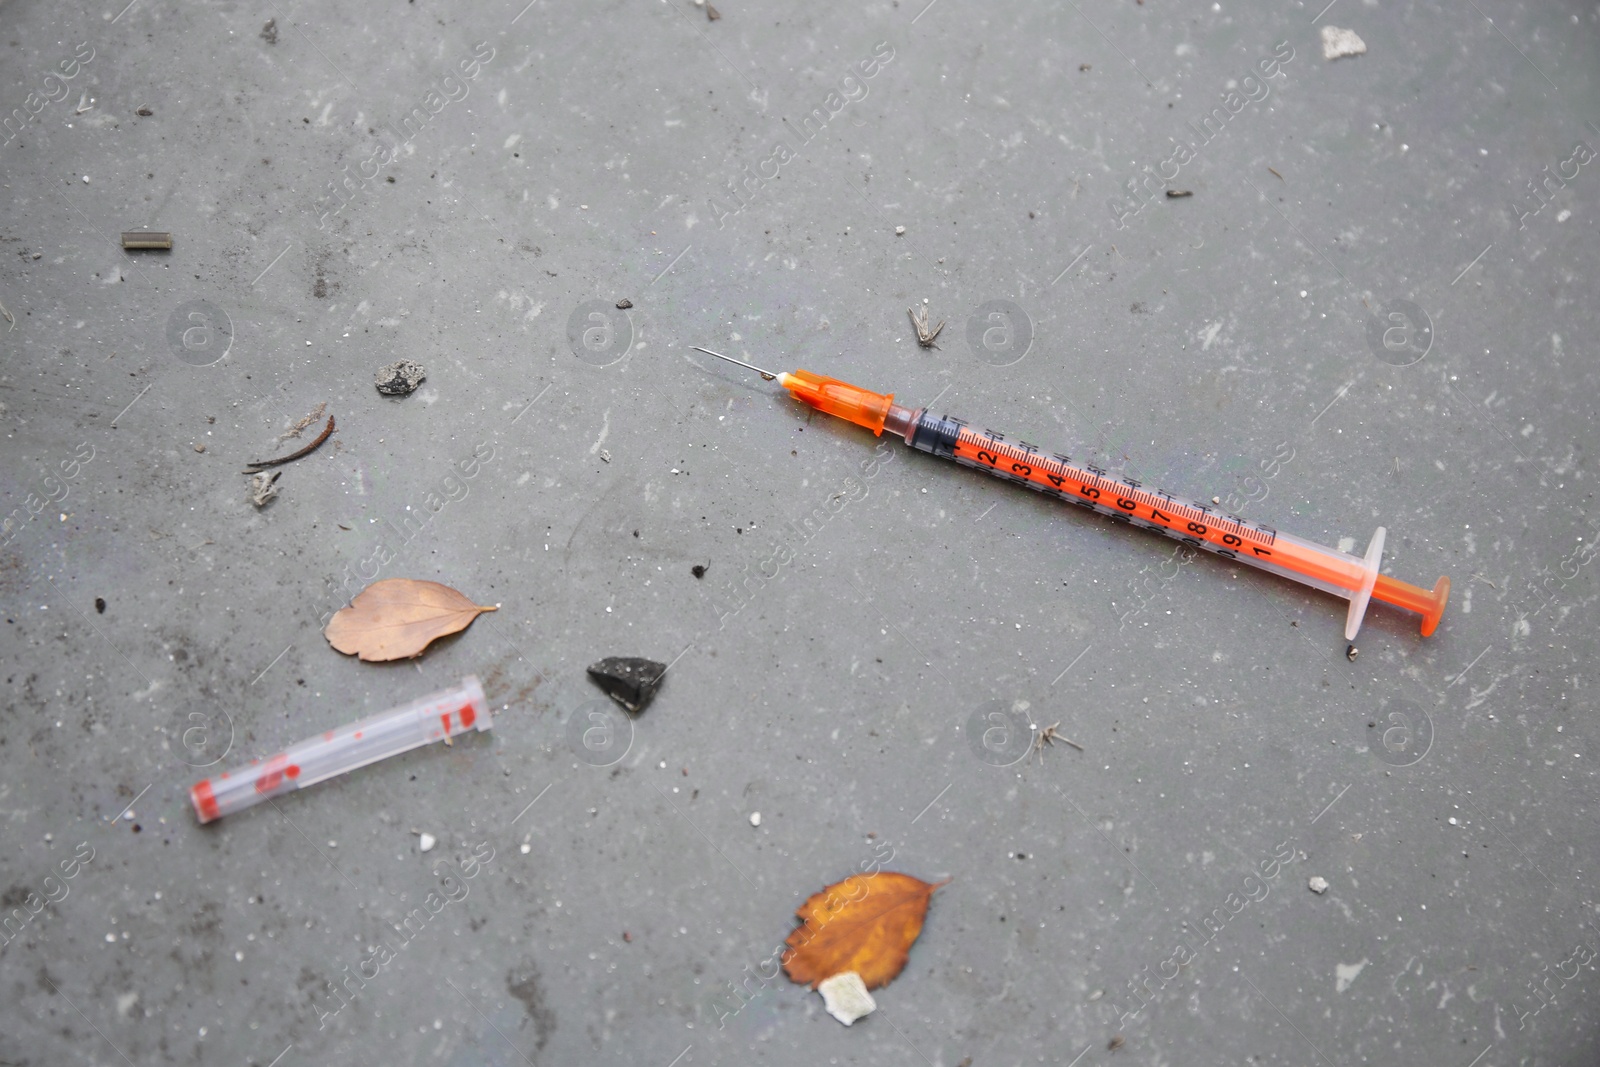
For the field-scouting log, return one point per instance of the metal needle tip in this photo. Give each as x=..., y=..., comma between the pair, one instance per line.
x=767, y=375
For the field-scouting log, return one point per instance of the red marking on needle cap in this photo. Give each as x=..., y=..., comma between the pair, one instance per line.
x=204, y=801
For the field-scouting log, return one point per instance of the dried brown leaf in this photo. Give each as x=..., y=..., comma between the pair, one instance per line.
x=399, y=617
x=866, y=923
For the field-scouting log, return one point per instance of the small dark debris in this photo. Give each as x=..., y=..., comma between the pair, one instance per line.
x=1179, y=194
x=627, y=937
x=1083, y=67
x=1116, y=1043
x=1275, y=174
x=1351, y=653
x=144, y=112
x=390, y=179
x=146, y=240
x=137, y=828
x=269, y=32
x=400, y=379
x=712, y=14
x=327, y=432
x=629, y=680
x=624, y=304
x=699, y=569
x=100, y=604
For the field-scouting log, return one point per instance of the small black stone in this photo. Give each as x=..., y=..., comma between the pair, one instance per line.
x=100, y=604
x=629, y=680
x=624, y=305
x=699, y=569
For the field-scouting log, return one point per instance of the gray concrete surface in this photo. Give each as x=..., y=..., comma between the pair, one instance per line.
x=1363, y=315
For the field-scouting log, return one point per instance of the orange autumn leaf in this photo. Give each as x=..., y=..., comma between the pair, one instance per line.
x=866, y=923
x=399, y=617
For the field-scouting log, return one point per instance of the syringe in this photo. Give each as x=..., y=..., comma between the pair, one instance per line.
x=1349, y=577
x=432, y=718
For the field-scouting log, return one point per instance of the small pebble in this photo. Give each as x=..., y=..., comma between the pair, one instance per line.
x=1337, y=43
x=1318, y=884
x=525, y=849
x=199, y=448
x=755, y=818
x=427, y=842
x=846, y=998
x=899, y=231
x=400, y=379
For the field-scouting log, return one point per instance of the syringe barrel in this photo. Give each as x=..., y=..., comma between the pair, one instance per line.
x=430, y=718
x=1127, y=500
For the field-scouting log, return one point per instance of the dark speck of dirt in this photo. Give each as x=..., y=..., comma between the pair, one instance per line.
x=523, y=984
x=1137, y=308
x=624, y=305
x=269, y=32
x=100, y=604
x=14, y=897
x=699, y=569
